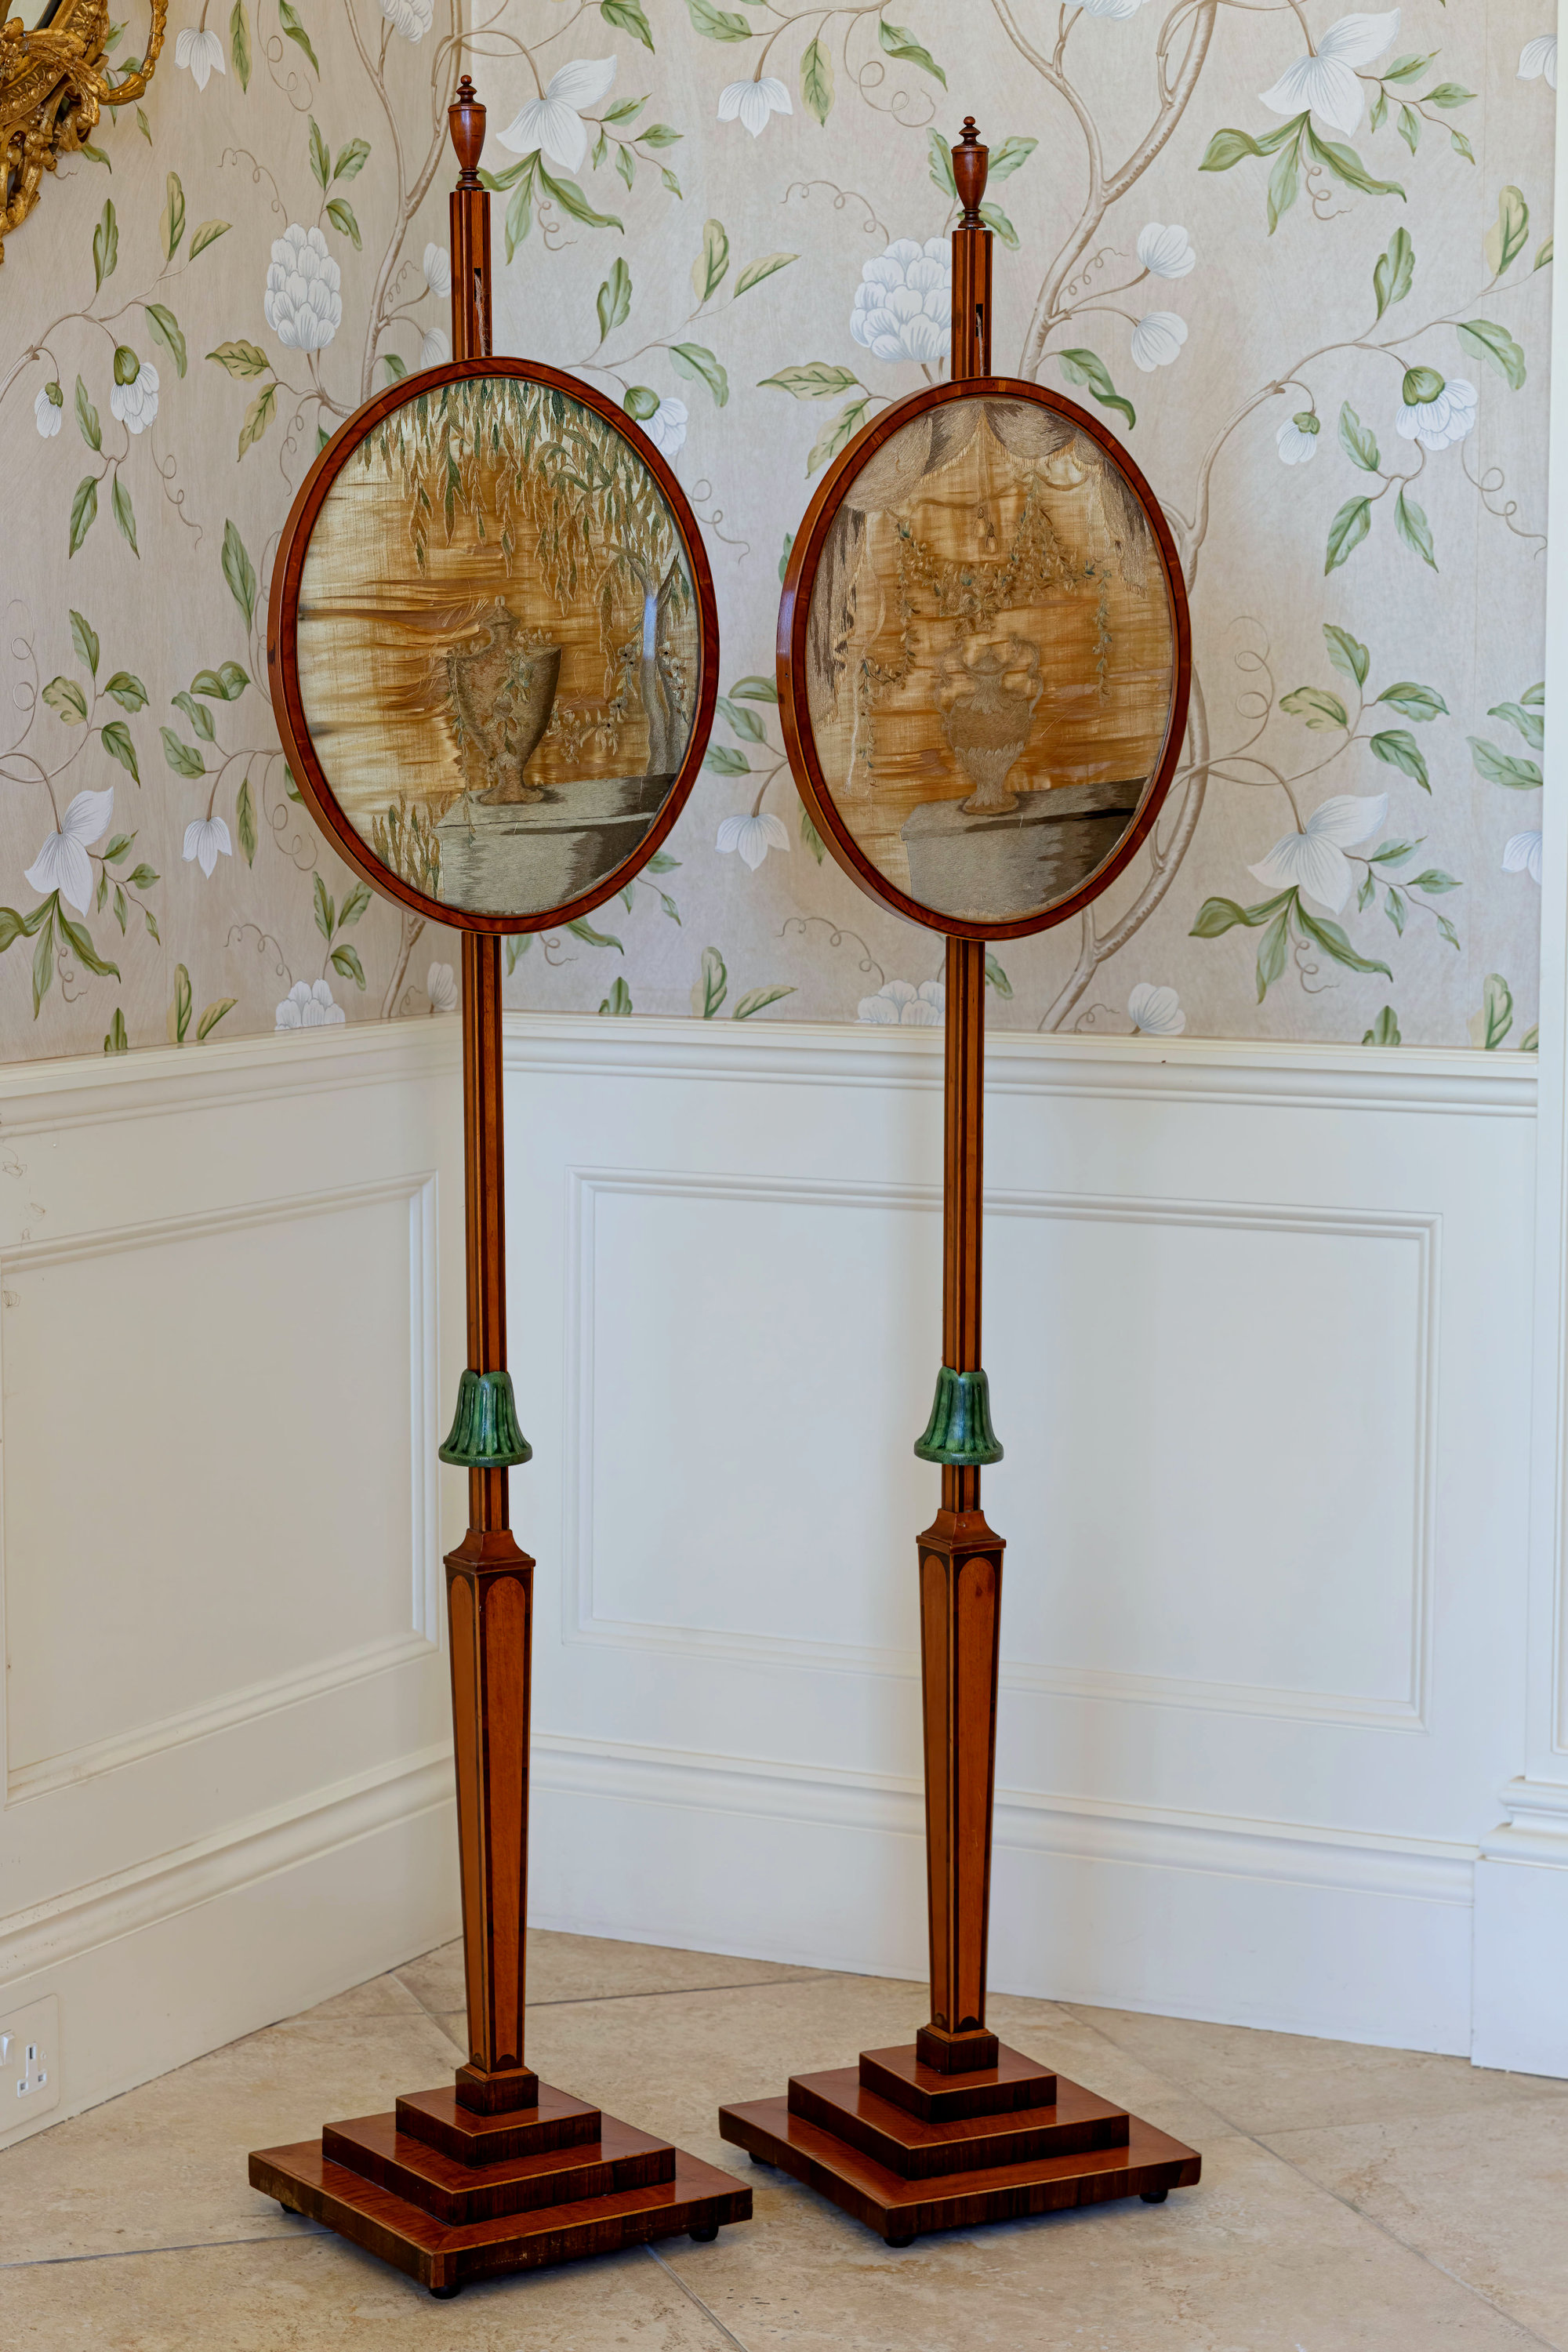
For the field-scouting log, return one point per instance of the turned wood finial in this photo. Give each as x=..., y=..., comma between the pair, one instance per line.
x=466, y=118
x=970, y=162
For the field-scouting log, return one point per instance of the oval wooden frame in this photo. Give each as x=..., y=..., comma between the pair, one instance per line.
x=282, y=653
x=794, y=608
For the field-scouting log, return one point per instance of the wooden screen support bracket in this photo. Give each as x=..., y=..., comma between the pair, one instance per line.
x=959, y=2130
x=500, y=2172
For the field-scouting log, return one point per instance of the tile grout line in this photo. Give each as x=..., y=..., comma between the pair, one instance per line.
x=195, y=2246
x=692, y=2296
x=661, y=1992
x=1239, y=2131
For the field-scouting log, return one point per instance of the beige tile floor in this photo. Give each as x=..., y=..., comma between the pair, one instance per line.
x=1352, y=2200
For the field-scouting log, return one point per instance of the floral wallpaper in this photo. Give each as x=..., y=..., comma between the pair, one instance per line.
x=1300, y=263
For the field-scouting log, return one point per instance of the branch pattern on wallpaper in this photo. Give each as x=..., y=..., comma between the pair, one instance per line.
x=1260, y=241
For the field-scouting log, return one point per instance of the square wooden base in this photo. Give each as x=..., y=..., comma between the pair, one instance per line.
x=907, y=2151
x=448, y=2195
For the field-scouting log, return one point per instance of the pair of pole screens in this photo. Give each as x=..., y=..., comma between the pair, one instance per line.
x=494, y=654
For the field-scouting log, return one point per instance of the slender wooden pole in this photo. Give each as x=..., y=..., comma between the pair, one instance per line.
x=489, y=1582
x=960, y=1558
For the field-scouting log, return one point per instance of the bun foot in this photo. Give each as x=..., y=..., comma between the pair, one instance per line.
x=761, y=2164
x=1155, y=2195
x=444, y=2294
x=900, y=2237
x=704, y=2233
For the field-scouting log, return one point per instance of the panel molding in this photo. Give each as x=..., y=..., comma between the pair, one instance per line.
x=37, y=1777
x=1401, y=1711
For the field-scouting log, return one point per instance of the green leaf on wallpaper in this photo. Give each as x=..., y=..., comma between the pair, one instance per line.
x=352, y=159
x=395, y=368
x=242, y=358
x=354, y=905
x=1394, y=271
x=700, y=365
x=660, y=135
x=810, y=836
x=1358, y=443
x=1413, y=701
x=212, y=1014
x=784, y=559
x=1483, y=341
x=717, y=23
x=200, y=717
x=245, y=821
x=239, y=42
x=44, y=954
x=172, y=219
x=1494, y=1019
x=1333, y=943
x=1228, y=148
x=81, y=947
x=617, y=1005
x=1346, y=165
x=1272, y=951
x=66, y=700
x=128, y=690
x=756, y=999
x=151, y=922
x=995, y=977
x=1347, y=654
x=1398, y=748
x=745, y=723
x=1410, y=521
x=707, y=270
x=721, y=760
x=1448, y=94
x=121, y=847
x=898, y=41
x=626, y=164
x=1284, y=184
x=1502, y=767
x=258, y=418
x=1385, y=1030
x=84, y=511
x=84, y=637
x=1378, y=114
x=166, y=328
x=1321, y=710
x=816, y=77
x=1534, y=696
x=1347, y=531
x=571, y=199
x=325, y=909
x=180, y=1006
x=224, y=684
x=346, y=959
x=625, y=110
x=1435, y=882
x=626, y=17
x=143, y=125
x=1089, y=370
x=941, y=155
x=180, y=756
x=667, y=175
x=96, y=155
x=755, y=271
x=321, y=161
x=1367, y=893
x=117, y=1040
x=1543, y=255
x=754, y=690
x=293, y=24
x=1216, y=916
x=1011, y=156
x=125, y=513
x=841, y=429
x=1409, y=68
x=1509, y=233
x=14, y=927
x=817, y=380
x=87, y=417
x=208, y=234
x=585, y=931
x=711, y=986
x=615, y=300
x=1528, y=722
x=341, y=213
x=997, y=220
x=105, y=246
x=116, y=740
x=1394, y=907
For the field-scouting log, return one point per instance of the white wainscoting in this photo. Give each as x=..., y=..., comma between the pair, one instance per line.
x=1258, y=1332
x=223, y=1352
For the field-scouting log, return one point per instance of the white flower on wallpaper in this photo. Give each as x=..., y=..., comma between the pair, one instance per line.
x=438, y=270
x=1314, y=860
x=752, y=835
x=1327, y=80
x=897, y=1004
x=441, y=987
x=1157, y=340
x=437, y=348
x=1155, y=1011
x=62, y=864
x=751, y=102
x=135, y=399
x=1438, y=418
x=1540, y=57
x=304, y=302
x=903, y=304
x=1521, y=854
x=48, y=410
x=199, y=52
x=412, y=19
x=1297, y=439
x=1119, y=11
x=666, y=428
x=207, y=840
x=1166, y=252
x=309, y=1005
x=554, y=122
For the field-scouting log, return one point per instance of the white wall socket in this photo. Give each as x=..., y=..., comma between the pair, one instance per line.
x=29, y=2062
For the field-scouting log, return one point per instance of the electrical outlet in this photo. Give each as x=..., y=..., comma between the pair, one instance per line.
x=29, y=2062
